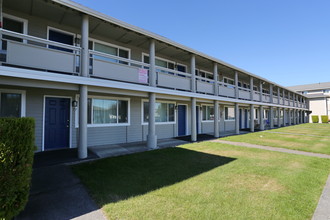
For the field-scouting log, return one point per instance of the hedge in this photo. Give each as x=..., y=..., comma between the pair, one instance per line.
x=315, y=118
x=324, y=118
x=16, y=158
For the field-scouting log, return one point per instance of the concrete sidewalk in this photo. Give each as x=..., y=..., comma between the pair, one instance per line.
x=57, y=194
x=278, y=149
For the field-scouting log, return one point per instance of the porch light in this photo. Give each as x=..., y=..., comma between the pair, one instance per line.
x=74, y=104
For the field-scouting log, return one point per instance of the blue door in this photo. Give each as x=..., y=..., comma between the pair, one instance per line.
x=182, y=120
x=246, y=118
x=57, y=123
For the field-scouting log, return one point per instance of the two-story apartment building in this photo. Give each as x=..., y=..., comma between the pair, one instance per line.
x=318, y=96
x=89, y=80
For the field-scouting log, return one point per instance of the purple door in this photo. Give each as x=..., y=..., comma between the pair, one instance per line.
x=57, y=123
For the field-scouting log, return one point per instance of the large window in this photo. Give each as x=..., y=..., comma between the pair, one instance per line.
x=164, y=112
x=111, y=50
x=107, y=111
x=12, y=104
x=208, y=113
x=229, y=113
x=166, y=64
x=60, y=37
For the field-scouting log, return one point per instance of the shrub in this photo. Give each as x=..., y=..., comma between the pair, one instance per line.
x=315, y=118
x=16, y=158
x=324, y=118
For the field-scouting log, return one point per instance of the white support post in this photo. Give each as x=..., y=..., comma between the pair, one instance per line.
x=278, y=117
x=251, y=88
x=192, y=72
x=284, y=117
x=262, y=125
x=152, y=138
x=216, y=119
x=193, y=120
x=83, y=89
x=236, y=118
x=289, y=117
x=152, y=62
x=271, y=93
x=215, y=77
x=278, y=95
x=260, y=88
x=252, y=118
x=271, y=116
x=236, y=84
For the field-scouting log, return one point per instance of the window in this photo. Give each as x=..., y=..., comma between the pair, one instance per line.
x=107, y=111
x=266, y=113
x=164, y=112
x=12, y=103
x=256, y=113
x=208, y=113
x=229, y=113
x=228, y=81
x=15, y=24
x=60, y=37
x=111, y=50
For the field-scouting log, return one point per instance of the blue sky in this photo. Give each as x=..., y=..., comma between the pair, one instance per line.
x=285, y=41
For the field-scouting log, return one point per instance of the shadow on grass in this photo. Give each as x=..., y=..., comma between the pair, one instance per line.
x=118, y=178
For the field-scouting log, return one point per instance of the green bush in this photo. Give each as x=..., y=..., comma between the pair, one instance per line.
x=324, y=118
x=16, y=158
x=315, y=118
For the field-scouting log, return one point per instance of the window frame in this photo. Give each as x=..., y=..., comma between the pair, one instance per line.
x=158, y=123
x=61, y=31
x=93, y=40
x=107, y=124
x=19, y=19
x=166, y=60
x=208, y=105
x=225, y=113
x=23, y=98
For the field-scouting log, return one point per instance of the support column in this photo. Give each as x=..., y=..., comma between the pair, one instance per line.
x=289, y=116
x=252, y=118
x=215, y=77
x=278, y=117
x=293, y=116
x=278, y=95
x=262, y=125
x=192, y=72
x=236, y=118
x=236, y=84
x=152, y=62
x=83, y=89
x=271, y=93
x=216, y=119
x=251, y=88
x=271, y=116
x=260, y=88
x=1, y=22
x=284, y=117
x=193, y=120
x=283, y=101
x=151, y=137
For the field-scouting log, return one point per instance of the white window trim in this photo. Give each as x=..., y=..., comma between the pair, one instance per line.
x=108, y=124
x=23, y=98
x=224, y=111
x=43, y=120
x=61, y=31
x=163, y=59
x=24, y=21
x=93, y=40
x=158, y=123
x=203, y=113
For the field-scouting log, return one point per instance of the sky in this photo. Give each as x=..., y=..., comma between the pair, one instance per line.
x=284, y=41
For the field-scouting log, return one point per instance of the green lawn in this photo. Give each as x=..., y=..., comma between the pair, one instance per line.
x=297, y=138
x=206, y=181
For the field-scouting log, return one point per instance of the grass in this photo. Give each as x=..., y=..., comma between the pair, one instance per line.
x=206, y=181
x=297, y=137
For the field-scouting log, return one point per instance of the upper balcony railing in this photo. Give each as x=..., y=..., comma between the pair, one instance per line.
x=19, y=50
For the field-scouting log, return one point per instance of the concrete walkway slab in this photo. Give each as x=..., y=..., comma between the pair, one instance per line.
x=57, y=194
x=322, y=211
x=278, y=149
